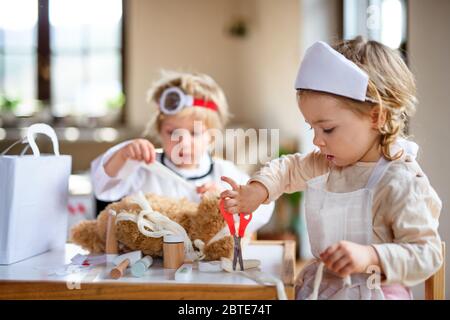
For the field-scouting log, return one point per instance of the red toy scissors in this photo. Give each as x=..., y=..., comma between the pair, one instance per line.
x=244, y=219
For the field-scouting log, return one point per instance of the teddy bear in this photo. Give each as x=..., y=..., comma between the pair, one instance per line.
x=202, y=222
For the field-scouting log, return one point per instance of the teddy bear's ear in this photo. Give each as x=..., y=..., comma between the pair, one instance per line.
x=212, y=195
x=209, y=204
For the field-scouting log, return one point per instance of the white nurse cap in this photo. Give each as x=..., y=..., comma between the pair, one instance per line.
x=326, y=70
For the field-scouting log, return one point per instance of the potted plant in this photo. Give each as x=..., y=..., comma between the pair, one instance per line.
x=114, y=107
x=7, y=110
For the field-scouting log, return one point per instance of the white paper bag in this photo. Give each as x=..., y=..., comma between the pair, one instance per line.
x=33, y=199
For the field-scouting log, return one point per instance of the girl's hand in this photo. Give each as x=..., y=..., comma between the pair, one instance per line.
x=140, y=150
x=345, y=258
x=209, y=186
x=243, y=198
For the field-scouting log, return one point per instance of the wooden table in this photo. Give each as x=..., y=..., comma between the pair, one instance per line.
x=32, y=278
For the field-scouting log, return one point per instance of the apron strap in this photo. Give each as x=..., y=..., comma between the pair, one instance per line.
x=409, y=147
x=378, y=173
x=318, y=280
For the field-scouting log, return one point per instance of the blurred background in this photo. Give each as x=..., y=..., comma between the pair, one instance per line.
x=84, y=66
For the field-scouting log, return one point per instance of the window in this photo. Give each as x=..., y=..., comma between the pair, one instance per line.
x=18, y=54
x=385, y=21
x=381, y=20
x=64, y=54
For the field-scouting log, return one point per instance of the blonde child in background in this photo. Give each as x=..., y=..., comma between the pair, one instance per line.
x=369, y=206
x=179, y=101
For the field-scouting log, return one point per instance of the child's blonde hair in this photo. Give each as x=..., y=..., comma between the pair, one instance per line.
x=199, y=86
x=391, y=85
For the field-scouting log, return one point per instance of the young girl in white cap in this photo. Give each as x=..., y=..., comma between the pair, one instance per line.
x=185, y=108
x=371, y=213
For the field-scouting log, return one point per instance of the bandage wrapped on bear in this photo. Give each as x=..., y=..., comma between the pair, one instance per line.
x=141, y=221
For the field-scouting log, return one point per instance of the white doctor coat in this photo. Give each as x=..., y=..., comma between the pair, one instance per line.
x=135, y=177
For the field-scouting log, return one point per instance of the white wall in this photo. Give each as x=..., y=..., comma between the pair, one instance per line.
x=256, y=72
x=429, y=48
x=176, y=34
x=268, y=60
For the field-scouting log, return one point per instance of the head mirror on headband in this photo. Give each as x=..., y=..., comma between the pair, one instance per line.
x=173, y=100
x=326, y=70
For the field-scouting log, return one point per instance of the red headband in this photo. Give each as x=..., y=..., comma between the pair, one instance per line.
x=205, y=104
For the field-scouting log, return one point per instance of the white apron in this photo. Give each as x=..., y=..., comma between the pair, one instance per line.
x=333, y=217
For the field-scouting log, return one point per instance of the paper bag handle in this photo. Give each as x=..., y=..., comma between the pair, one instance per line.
x=29, y=139
x=43, y=129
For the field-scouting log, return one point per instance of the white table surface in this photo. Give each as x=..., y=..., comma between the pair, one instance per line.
x=41, y=268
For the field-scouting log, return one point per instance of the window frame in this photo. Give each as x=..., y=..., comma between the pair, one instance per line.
x=44, y=54
x=404, y=46
x=366, y=32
